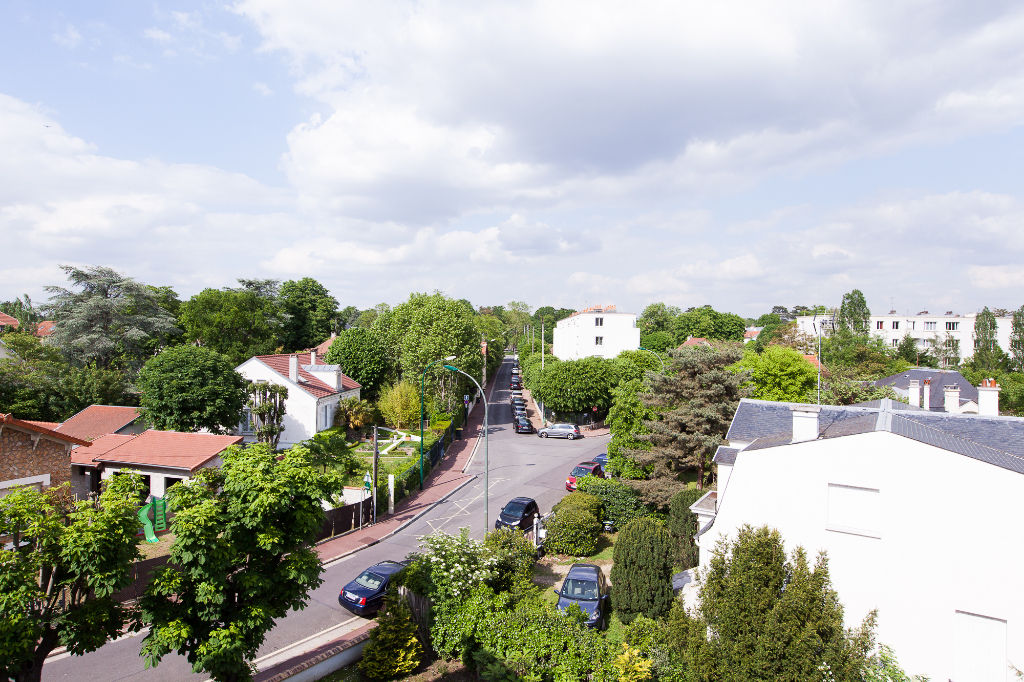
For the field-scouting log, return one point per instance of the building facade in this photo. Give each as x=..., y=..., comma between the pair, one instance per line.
x=33, y=455
x=595, y=332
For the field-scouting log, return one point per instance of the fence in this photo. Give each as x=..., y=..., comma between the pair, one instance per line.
x=343, y=519
x=141, y=573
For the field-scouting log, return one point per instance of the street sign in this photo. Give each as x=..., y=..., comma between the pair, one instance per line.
x=465, y=399
x=367, y=481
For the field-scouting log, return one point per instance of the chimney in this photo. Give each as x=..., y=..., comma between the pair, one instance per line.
x=312, y=357
x=914, y=393
x=951, y=398
x=926, y=394
x=293, y=368
x=805, y=422
x=988, y=398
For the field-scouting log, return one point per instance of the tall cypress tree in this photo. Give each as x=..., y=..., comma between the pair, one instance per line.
x=854, y=313
x=988, y=356
x=642, y=570
x=1017, y=339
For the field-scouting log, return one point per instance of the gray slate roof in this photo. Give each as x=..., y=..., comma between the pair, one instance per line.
x=996, y=440
x=725, y=455
x=940, y=378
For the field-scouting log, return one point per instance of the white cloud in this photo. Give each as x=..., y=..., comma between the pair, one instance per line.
x=158, y=36
x=69, y=37
x=262, y=88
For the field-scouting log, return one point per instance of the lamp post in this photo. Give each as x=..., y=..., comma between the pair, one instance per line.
x=657, y=356
x=487, y=461
x=423, y=383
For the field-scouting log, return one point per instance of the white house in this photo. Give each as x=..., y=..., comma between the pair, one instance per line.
x=919, y=512
x=314, y=391
x=601, y=332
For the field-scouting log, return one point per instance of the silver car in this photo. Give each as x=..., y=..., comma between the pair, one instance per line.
x=570, y=431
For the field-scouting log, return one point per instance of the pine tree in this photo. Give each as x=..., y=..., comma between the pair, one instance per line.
x=642, y=570
x=694, y=402
x=394, y=650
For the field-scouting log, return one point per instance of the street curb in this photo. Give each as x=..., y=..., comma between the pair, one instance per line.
x=350, y=552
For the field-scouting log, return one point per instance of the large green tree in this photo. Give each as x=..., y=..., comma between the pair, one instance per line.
x=577, y=386
x=854, y=314
x=642, y=570
x=763, y=616
x=57, y=587
x=312, y=313
x=23, y=310
x=106, y=318
x=400, y=404
x=187, y=388
x=779, y=374
x=238, y=323
x=626, y=420
x=241, y=558
x=706, y=322
x=1017, y=339
x=988, y=356
x=362, y=356
x=657, y=317
x=693, y=403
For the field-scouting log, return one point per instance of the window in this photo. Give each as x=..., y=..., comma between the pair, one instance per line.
x=911, y=323
x=247, y=426
x=952, y=326
x=854, y=510
x=879, y=324
x=929, y=326
x=598, y=340
x=895, y=342
x=598, y=321
x=895, y=324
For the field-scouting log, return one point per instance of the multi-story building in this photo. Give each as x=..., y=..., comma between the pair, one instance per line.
x=951, y=331
x=597, y=331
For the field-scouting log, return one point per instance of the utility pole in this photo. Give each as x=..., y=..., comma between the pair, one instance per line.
x=543, y=421
x=376, y=459
x=483, y=352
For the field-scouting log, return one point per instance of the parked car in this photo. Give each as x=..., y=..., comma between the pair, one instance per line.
x=602, y=459
x=515, y=385
x=518, y=513
x=585, y=586
x=570, y=431
x=365, y=595
x=519, y=410
x=522, y=424
x=580, y=470
x=517, y=401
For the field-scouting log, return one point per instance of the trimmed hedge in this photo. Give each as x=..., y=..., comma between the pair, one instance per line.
x=620, y=502
x=682, y=524
x=580, y=500
x=642, y=572
x=573, y=530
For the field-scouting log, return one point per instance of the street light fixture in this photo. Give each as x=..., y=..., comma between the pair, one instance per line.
x=487, y=461
x=657, y=356
x=423, y=381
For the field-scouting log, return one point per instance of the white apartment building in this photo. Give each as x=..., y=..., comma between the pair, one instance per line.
x=924, y=327
x=597, y=331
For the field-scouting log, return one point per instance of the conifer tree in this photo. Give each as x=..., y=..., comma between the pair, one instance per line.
x=642, y=570
x=1017, y=339
x=682, y=524
x=394, y=649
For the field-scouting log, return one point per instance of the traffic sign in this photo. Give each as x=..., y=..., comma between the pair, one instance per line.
x=465, y=399
x=367, y=481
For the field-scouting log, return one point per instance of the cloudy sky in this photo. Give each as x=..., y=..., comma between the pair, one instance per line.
x=742, y=154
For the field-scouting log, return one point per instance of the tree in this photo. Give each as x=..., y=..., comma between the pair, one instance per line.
x=238, y=323
x=348, y=317
x=187, y=388
x=241, y=558
x=362, y=356
x=682, y=524
x=576, y=386
x=988, y=356
x=779, y=374
x=762, y=616
x=400, y=404
x=354, y=414
x=860, y=356
x=267, y=404
x=311, y=311
x=1017, y=339
x=627, y=420
x=706, y=322
x=642, y=570
x=22, y=310
x=854, y=314
x=58, y=587
x=106, y=318
x=659, y=341
x=394, y=650
x=657, y=317
x=634, y=364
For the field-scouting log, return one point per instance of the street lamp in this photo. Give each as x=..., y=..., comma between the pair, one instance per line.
x=423, y=381
x=657, y=356
x=487, y=461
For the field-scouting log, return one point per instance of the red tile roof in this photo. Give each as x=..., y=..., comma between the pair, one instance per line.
x=46, y=425
x=696, y=341
x=307, y=381
x=8, y=321
x=751, y=333
x=99, y=420
x=321, y=350
x=44, y=328
x=7, y=419
x=101, y=446
x=813, y=359
x=168, y=449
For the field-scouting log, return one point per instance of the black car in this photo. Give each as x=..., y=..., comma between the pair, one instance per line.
x=518, y=513
x=586, y=586
x=515, y=385
x=522, y=425
x=365, y=595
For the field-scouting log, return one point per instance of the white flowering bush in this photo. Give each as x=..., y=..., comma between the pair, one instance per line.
x=453, y=565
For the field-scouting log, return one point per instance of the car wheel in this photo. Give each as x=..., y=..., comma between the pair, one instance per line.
x=571, y=436
x=543, y=434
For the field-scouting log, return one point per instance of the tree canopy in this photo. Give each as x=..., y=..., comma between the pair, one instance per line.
x=238, y=323
x=854, y=313
x=311, y=313
x=779, y=374
x=362, y=355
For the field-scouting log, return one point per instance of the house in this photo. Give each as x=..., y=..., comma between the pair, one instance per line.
x=751, y=333
x=163, y=458
x=595, y=332
x=33, y=455
x=314, y=391
x=8, y=323
x=44, y=329
x=695, y=341
x=916, y=509
x=99, y=420
x=938, y=390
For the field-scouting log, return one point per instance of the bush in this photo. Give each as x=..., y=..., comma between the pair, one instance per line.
x=682, y=524
x=642, y=572
x=393, y=650
x=574, y=531
x=620, y=502
x=580, y=500
x=515, y=557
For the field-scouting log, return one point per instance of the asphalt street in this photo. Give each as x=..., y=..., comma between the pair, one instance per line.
x=520, y=465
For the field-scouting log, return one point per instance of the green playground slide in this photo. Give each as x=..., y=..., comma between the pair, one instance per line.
x=147, y=525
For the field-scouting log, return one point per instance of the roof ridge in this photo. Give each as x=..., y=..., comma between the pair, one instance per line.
x=956, y=436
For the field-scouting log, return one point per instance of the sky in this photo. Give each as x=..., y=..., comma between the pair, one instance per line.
x=737, y=154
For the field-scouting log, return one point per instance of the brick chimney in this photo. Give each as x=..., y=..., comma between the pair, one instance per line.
x=951, y=398
x=805, y=422
x=293, y=368
x=926, y=394
x=988, y=398
x=914, y=393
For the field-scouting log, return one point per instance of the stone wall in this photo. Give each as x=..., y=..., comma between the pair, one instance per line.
x=20, y=458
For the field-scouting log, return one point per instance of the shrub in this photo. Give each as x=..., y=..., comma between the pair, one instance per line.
x=642, y=572
x=580, y=500
x=514, y=556
x=574, y=531
x=393, y=650
x=620, y=502
x=682, y=524
x=631, y=666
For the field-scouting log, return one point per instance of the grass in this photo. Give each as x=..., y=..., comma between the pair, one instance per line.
x=162, y=548
x=604, y=549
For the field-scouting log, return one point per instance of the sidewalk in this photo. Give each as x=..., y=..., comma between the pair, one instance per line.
x=446, y=478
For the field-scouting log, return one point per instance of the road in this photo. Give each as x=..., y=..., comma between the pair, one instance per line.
x=520, y=464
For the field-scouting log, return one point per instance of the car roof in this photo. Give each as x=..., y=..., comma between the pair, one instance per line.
x=524, y=500
x=583, y=570
x=588, y=464
x=387, y=567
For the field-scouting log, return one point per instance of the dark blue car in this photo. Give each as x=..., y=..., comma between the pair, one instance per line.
x=365, y=595
x=586, y=587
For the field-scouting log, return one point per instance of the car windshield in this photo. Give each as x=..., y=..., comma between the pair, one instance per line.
x=370, y=580
x=514, y=508
x=580, y=471
x=579, y=589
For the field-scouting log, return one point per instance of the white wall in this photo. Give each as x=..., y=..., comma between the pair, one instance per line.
x=943, y=545
x=301, y=413
x=574, y=337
